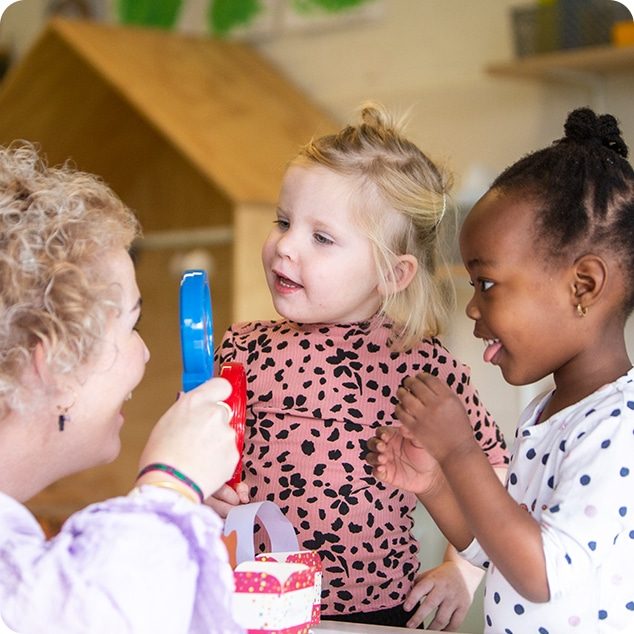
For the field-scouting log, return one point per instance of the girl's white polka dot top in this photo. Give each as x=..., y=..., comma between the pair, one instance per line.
x=574, y=473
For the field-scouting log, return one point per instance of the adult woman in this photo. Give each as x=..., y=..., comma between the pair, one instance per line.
x=69, y=357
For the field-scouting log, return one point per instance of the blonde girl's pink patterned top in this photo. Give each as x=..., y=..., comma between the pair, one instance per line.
x=315, y=393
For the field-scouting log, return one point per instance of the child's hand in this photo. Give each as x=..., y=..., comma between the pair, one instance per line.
x=399, y=461
x=225, y=498
x=441, y=591
x=433, y=416
x=194, y=436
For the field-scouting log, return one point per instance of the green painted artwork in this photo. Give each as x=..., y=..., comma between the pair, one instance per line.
x=333, y=6
x=163, y=14
x=223, y=16
x=226, y=15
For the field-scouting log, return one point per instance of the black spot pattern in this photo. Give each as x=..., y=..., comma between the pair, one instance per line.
x=315, y=394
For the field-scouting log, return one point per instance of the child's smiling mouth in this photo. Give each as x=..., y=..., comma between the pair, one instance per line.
x=286, y=283
x=493, y=346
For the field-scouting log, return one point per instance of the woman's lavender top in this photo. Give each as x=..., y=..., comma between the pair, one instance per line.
x=148, y=562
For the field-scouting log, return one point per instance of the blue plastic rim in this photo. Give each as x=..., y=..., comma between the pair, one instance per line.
x=197, y=337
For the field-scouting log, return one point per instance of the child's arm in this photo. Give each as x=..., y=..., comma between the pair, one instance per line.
x=449, y=587
x=454, y=480
x=403, y=462
x=469, y=499
x=405, y=465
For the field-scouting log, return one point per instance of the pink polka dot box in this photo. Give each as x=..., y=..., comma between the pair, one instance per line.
x=274, y=597
x=277, y=592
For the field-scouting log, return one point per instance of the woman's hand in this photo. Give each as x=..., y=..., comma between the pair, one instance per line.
x=194, y=437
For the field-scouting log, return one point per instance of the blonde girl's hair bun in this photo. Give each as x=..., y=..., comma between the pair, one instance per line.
x=376, y=116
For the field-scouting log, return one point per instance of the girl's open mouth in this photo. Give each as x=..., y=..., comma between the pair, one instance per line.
x=493, y=346
x=286, y=283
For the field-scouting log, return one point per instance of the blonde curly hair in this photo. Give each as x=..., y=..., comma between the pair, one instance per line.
x=403, y=197
x=56, y=223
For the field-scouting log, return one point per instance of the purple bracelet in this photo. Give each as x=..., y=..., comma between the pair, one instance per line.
x=165, y=468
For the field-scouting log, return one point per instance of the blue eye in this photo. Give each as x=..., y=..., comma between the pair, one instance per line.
x=282, y=224
x=322, y=239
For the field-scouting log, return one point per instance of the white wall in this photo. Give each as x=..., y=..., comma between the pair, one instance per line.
x=431, y=54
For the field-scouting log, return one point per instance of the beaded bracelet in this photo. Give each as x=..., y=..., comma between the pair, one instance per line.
x=165, y=468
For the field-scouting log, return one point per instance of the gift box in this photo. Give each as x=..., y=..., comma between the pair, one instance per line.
x=277, y=592
x=273, y=597
x=309, y=558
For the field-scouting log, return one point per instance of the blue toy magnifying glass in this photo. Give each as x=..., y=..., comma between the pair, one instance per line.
x=197, y=329
x=197, y=351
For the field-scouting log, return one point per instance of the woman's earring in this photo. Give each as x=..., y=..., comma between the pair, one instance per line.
x=582, y=311
x=63, y=416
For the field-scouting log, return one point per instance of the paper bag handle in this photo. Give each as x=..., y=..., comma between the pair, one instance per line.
x=241, y=519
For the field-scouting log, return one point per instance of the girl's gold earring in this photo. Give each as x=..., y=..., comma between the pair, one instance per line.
x=582, y=311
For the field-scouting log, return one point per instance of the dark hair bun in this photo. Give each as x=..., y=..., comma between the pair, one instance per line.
x=584, y=126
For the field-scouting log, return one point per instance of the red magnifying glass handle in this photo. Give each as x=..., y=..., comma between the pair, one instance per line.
x=237, y=402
